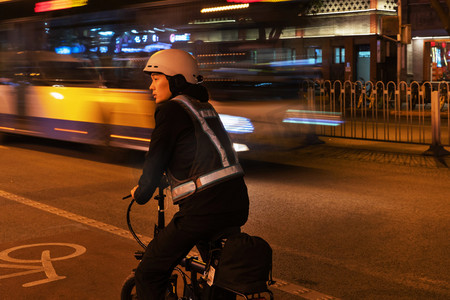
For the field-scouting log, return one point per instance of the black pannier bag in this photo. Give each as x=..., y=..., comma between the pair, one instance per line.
x=245, y=264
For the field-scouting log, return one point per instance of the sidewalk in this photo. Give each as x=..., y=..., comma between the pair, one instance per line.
x=343, y=149
x=375, y=145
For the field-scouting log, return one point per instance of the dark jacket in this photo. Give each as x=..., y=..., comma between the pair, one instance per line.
x=173, y=147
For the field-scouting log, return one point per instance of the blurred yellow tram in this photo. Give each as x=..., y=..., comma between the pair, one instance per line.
x=61, y=97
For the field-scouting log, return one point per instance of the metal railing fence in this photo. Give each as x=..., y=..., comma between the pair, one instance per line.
x=383, y=111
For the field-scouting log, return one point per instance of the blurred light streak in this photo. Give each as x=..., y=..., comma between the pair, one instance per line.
x=70, y=130
x=106, y=33
x=240, y=147
x=313, y=117
x=296, y=62
x=221, y=54
x=57, y=96
x=213, y=21
x=235, y=124
x=218, y=63
x=7, y=128
x=57, y=5
x=253, y=1
x=312, y=121
x=129, y=138
x=351, y=11
x=238, y=71
x=223, y=8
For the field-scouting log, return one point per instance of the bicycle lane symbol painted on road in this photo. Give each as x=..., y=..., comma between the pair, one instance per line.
x=45, y=262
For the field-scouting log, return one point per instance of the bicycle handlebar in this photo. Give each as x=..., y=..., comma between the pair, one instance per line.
x=161, y=221
x=130, y=228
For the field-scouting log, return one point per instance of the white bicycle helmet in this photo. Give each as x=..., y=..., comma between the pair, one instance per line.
x=172, y=62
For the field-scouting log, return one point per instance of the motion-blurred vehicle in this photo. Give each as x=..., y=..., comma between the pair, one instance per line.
x=63, y=97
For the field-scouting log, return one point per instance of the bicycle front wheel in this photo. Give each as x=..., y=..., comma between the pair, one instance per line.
x=129, y=288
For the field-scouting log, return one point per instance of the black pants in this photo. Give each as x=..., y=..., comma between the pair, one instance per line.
x=173, y=243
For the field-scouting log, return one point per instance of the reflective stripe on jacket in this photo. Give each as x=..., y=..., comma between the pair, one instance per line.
x=215, y=159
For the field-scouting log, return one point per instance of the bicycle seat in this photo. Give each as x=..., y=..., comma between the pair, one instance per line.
x=215, y=242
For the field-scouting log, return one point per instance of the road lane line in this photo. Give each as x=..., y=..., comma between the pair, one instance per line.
x=74, y=217
x=282, y=285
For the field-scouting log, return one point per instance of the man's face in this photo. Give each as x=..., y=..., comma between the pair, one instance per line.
x=160, y=88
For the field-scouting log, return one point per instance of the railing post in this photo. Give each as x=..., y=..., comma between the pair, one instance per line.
x=436, y=148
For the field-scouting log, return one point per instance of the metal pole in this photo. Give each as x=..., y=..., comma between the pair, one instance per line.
x=399, y=41
x=435, y=119
x=436, y=148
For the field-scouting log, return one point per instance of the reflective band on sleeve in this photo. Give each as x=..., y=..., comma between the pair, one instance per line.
x=188, y=188
x=206, y=129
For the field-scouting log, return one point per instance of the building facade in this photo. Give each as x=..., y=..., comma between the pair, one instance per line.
x=341, y=40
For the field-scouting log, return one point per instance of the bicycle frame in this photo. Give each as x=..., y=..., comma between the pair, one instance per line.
x=191, y=264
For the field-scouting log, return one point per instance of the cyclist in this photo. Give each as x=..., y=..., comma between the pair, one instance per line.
x=190, y=145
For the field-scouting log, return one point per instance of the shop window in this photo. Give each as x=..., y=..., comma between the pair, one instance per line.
x=339, y=55
x=315, y=55
x=440, y=59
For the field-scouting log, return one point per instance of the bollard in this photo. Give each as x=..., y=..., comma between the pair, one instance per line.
x=436, y=148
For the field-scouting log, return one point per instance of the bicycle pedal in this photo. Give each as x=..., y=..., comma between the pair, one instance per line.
x=139, y=255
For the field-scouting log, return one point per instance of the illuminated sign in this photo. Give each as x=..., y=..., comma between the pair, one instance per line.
x=57, y=5
x=180, y=37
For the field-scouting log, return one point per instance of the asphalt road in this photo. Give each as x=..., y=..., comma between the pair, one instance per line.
x=346, y=219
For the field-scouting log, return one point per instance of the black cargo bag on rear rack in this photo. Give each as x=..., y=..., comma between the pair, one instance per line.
x=245, y=264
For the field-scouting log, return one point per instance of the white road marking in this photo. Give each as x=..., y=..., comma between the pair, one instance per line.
x=46, y=261
x=282, y=285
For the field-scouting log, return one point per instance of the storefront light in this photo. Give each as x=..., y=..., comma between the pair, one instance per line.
x=431, y=37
